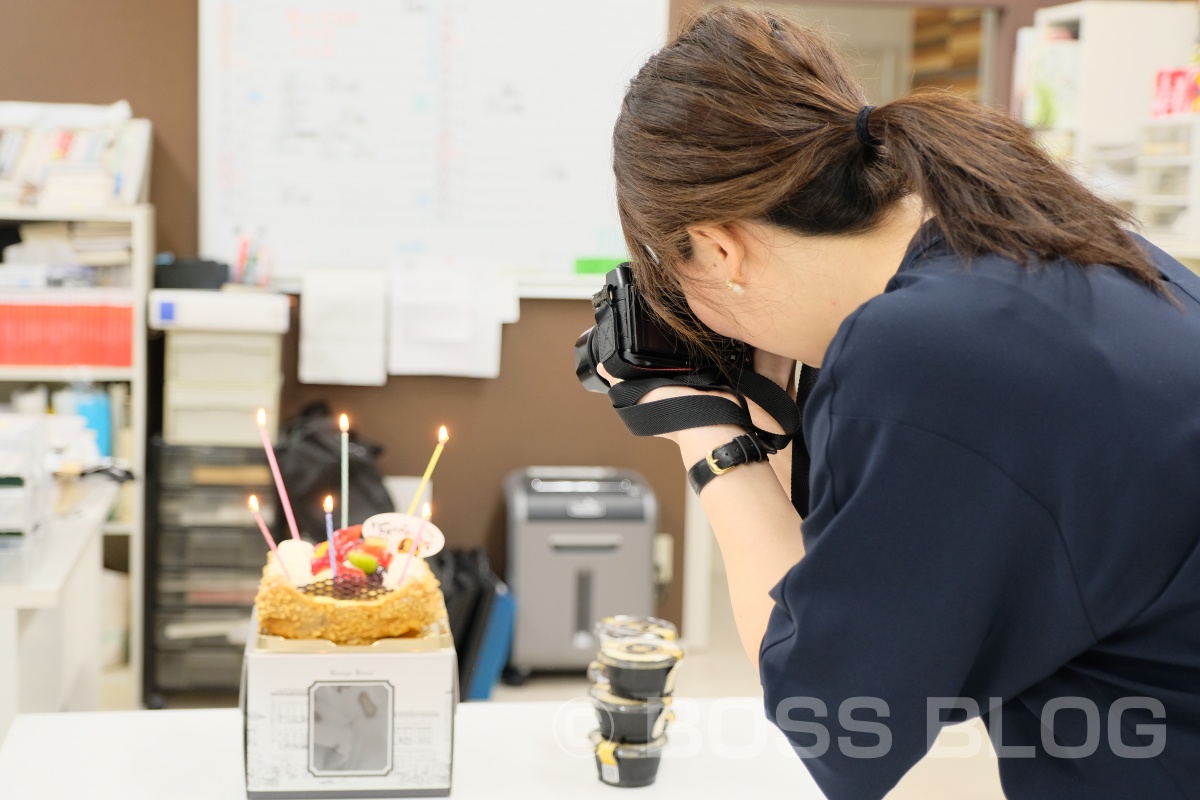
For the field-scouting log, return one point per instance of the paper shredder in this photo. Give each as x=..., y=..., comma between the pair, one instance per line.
x=580, y=547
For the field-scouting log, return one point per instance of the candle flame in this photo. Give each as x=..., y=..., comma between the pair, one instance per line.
x=426, y=512
x=344, y=423
x=262, y=418
x=443, y=436
x=254, y=504
x=328, y=504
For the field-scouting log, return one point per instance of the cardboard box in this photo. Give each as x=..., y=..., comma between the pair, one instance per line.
x=324, y=720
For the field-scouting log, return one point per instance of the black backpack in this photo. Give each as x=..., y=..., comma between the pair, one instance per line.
x=310, y=454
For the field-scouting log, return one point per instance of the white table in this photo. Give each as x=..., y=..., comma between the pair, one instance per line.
x=721, y=748
x=50, y=610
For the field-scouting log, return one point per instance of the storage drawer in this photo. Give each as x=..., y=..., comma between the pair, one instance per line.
x=218, y=413
x=232, y=548
x=199, y=668
x=215, y=466
x=222, y=357
x=210, y=507
x=208, y=587
x=180, y=629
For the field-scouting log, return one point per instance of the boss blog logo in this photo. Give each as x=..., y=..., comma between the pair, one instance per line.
x=862, y=717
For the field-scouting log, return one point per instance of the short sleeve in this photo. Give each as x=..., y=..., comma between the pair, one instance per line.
x=929, y=574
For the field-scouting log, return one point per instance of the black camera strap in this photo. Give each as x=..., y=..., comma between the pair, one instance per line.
x=682, y=413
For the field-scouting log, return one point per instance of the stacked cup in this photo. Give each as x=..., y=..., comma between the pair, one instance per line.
x=633, y=681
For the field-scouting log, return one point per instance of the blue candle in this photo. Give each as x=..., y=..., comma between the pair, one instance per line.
x=329, y=535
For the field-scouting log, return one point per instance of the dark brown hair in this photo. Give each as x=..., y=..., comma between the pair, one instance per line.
x=749, y=116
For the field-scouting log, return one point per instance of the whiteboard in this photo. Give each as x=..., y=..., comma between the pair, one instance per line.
x=367, y=133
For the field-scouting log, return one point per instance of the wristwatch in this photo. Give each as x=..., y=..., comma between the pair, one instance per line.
x=742, y=450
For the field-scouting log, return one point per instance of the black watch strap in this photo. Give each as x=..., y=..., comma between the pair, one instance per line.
x=742, y=450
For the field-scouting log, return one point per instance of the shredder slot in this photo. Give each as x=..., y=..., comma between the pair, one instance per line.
x=585, y=541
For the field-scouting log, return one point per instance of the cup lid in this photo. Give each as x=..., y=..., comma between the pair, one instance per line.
x=639, y=653
x=622, y=626
x=602, y=693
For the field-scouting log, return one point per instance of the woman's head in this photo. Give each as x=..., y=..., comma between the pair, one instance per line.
x=746, y=132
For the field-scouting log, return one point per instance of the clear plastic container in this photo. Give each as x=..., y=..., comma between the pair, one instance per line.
x=210, y=507
x=210, y=587
x=184, y=628
x=244, y=467
x=199, y=668
x=233, y=548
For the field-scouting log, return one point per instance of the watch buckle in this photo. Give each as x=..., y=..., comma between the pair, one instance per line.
x=712, y=464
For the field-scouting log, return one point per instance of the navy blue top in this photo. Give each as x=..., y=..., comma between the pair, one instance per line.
x=1005, y=509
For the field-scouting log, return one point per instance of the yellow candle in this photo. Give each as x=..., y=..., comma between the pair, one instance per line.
x=443, y=437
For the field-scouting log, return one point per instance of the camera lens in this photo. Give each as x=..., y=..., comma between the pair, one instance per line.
x=586, y=363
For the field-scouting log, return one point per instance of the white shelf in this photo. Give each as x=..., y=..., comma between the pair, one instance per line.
x=40, y=214
x=64, y=374
x=1165, y=161
x=1162, y=200
x=141, y=222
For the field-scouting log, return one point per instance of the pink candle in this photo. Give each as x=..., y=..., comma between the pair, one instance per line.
x=262, y=526
x=287, y=504
x=417, y=541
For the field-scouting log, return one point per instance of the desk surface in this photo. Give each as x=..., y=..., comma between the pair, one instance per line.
x=502, y=751
x=719, y=748
x=33, y=577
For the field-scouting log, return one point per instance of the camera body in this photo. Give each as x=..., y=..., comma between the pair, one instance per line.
x=631, y=342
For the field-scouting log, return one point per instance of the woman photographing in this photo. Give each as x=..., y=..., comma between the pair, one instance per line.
x=1004, y=510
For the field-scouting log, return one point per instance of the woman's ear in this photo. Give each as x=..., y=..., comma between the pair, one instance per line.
x=719, y=252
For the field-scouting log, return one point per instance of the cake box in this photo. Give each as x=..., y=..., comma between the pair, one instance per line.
x=322, y=720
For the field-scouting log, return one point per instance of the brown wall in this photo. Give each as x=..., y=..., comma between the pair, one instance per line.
x=145, y=51
x=535, y=413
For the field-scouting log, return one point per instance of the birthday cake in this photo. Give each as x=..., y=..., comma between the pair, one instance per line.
x=373, y=588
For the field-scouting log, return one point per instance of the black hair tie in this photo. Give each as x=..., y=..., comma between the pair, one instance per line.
x=860, y=126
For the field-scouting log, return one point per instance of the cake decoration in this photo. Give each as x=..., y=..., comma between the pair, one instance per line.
x=361, y=584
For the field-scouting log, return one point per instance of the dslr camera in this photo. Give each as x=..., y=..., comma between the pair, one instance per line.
x=631, y=342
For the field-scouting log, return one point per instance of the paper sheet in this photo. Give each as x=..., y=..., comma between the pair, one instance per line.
x=343, y=327
x=446, y=319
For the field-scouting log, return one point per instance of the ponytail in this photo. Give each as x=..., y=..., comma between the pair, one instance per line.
x=748, y=115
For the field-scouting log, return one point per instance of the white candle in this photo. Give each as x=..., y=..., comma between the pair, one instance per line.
x=344, y=424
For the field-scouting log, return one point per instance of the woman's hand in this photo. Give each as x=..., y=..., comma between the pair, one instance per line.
x=756, y=527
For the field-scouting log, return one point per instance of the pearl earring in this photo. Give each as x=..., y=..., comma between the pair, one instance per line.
x=736, y=288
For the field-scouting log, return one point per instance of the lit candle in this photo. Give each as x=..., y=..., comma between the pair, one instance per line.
x=287, y=504
x=418, y=540
x=329, y=534
x=262, y=526
x=344, y=424
x=443, y=437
